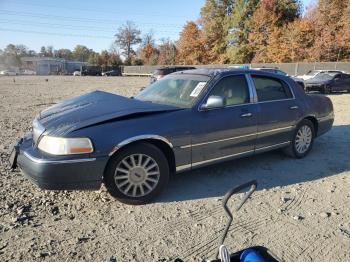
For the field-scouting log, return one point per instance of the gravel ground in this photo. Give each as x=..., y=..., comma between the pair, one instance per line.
x=300, y=211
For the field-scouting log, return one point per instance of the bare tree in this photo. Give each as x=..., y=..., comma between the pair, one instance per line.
x=128, y=35
x=148, y=39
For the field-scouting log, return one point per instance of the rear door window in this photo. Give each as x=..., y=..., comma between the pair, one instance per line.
x=270, y=89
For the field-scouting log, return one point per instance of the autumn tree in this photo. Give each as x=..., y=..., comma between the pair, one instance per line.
x=149, y=52
x=330, y=26
x=128, y=35
x=266, y=22
x=343, y=36
x=191, y=46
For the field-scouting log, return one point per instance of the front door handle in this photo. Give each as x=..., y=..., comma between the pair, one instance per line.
x=293, y=107
x=247, y=115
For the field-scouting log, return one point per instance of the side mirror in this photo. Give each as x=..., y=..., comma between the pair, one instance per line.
x=214, y=102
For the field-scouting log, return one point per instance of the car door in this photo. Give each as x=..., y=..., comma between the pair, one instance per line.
x=219, y=133
x=278, y=112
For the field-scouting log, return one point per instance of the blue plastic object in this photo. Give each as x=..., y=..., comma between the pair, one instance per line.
x=251, y=255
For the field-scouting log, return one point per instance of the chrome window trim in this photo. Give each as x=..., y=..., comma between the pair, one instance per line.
x=238, y=137
x=250, y=91
x=138, y=138
x=199, y=163
x=270, y=101
x=47, y=161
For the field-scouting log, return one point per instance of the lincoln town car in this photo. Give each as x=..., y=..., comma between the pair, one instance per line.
x=186, y=120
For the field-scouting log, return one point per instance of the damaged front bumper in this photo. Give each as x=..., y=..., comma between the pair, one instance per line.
x=56, y=172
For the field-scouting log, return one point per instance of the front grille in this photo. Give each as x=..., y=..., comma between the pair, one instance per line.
x=38, y=130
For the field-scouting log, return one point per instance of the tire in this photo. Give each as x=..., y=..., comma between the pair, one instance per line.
x=294, y=149
x=122, y=180
x=326, y=90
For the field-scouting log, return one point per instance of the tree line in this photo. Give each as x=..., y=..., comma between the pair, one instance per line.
x=268, y=31
x=227, y=31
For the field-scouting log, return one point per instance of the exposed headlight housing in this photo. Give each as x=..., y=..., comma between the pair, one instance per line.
x=65, y=146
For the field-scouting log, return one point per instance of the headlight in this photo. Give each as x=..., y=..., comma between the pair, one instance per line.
x=65, y=146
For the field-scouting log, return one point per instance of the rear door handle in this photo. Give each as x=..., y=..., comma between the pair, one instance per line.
x=247, y=115
x=293, y=107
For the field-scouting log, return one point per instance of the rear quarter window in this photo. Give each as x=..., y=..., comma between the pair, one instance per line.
x=270, y=89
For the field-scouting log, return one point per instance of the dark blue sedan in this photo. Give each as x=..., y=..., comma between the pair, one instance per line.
x=186, y=120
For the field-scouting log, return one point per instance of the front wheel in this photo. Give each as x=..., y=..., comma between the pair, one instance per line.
x=302, y=141
x=137, y=174
x=326, y=90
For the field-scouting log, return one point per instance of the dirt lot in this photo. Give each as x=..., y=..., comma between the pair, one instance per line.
x=301, y=209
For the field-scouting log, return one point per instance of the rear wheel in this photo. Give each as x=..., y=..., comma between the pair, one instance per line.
x=302, y=141
x=137, y=174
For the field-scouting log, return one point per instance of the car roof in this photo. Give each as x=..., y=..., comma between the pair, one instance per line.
x=211, y=72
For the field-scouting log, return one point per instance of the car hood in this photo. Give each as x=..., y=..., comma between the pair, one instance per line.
x=92, y=109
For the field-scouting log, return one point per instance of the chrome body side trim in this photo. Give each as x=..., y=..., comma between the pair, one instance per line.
x=46, y=161
x=238, y=137
x=275, y=130
x=272, y=146
x=220, y=158
x=140, y=137
x=183, y=167
x=217, y=141
x=197, y=164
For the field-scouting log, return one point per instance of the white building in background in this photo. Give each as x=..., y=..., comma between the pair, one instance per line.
x=51, y=65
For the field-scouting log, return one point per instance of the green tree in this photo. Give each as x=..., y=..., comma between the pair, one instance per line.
x=64, y=53
x=167, y=52
x=238, y=50
x=94, y=59
x=214, y=20
x=82, y=53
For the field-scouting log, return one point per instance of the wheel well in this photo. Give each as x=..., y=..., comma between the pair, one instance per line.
x=164, y=147
x=314, y=121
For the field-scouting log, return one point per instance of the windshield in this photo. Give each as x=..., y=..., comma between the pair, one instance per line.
x=312, y=72
x=325, y=76
x=177, y=90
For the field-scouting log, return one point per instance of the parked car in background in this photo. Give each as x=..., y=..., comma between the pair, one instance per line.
x=161, y=72
x=328, y=82
x=313, y=73
x=111, y=73
x=280, y=72
x=91, y=71
x=77, y=73
x=9, y=72
x=27, y=72
x=186, y=120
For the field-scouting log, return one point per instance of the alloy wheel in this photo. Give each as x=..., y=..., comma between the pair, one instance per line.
x=303, y=139
x=137, y=175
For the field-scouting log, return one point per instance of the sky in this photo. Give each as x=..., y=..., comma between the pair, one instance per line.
x=65, y=24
